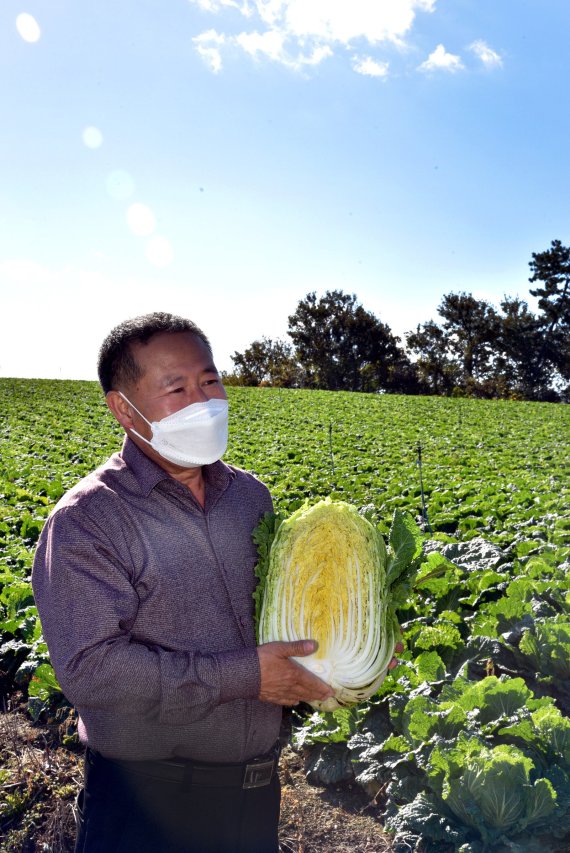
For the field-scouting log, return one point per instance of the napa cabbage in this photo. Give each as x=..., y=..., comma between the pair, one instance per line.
x=325, y=574
x=494, y=790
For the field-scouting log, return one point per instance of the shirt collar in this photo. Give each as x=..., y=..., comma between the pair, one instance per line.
x=149, y=474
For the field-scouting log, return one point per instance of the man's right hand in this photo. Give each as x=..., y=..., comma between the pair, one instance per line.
x=284, y=681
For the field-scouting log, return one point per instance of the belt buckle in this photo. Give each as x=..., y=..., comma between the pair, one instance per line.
x=258, y=774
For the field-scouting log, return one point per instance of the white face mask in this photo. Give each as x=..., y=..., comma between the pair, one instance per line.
x=194, y=436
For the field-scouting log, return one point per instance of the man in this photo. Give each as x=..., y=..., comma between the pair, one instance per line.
x=143, y=579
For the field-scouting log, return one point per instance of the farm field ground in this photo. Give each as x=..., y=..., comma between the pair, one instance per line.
x=489, y=616
x=45, y=776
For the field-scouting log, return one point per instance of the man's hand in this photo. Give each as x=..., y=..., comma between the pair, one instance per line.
x=394, y=662
x=284, y=681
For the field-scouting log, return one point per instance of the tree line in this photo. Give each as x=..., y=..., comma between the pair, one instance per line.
x=472, y=350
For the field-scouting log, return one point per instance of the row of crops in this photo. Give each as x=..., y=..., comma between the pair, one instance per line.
x=467, y=745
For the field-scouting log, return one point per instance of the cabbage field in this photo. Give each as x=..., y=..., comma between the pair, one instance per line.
x=467, y=744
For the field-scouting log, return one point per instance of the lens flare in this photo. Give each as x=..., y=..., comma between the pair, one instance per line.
x=28, y=27
x=141, y=220
x=92, y=137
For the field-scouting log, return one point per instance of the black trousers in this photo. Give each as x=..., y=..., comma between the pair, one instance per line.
x=125, y=811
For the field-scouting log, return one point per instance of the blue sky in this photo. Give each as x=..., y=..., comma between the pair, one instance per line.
x=222, y=158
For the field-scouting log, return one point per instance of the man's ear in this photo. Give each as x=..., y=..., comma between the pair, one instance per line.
x=122, y=410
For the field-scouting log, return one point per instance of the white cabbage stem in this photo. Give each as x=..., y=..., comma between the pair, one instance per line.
x=327, y=582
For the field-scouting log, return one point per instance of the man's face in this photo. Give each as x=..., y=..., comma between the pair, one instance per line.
x=177, y=370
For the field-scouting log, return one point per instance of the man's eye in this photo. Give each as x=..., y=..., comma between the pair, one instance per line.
x=177, y=390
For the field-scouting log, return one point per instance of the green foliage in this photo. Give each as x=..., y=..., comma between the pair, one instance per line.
x=341, y=346
x=515, y=354
x=475, y=351
x=43, y=690
x=263, y=537
x=405, y=543
x=485, y=624
x=493, y=762
x=547, y=646
x=335, y=727
x=52, y=434
x=490, y=789
x=552, y=269
x=267, y=362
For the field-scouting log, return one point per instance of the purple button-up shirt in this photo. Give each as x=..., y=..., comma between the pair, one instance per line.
x=145, y=602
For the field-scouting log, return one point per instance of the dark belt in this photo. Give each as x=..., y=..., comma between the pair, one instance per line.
x=256, y=773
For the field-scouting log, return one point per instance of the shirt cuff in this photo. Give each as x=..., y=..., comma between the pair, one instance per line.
x=240, y=674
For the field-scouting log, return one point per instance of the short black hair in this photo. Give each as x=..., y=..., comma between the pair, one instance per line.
x=116, y=365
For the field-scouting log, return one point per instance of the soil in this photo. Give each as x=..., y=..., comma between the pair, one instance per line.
x=339, y=818
x=39, y=780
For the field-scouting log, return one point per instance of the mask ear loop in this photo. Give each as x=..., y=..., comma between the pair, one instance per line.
x=126, y=399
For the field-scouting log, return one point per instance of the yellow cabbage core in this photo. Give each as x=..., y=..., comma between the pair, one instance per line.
x=326, y=582
x=323, y=577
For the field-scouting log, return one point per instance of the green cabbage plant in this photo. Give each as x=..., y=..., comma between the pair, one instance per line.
x=494, y=790
x=325, y=574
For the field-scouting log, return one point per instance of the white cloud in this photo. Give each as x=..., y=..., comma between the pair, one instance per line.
x=317, y=55
x=441, y=60
x=302, y=32
x=270, y=11
x=342, y=21
x=208, y=47
x=489, y=57
x=270, y=43
x=218, y=5
x=370, y=67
